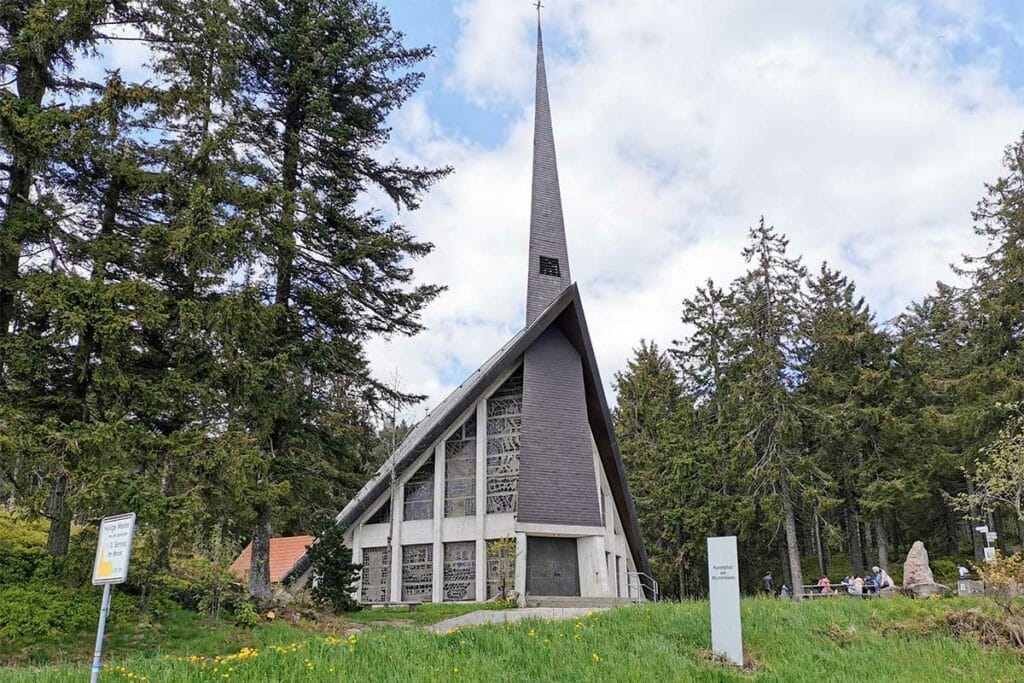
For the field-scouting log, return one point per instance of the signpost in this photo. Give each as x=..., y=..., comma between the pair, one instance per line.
x=113, y=550
x=990, y=538
x=724, y=589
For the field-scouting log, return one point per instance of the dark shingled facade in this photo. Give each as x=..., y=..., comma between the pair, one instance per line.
x=557, y=482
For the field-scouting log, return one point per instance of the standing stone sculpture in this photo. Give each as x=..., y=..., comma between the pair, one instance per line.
x=917, y=574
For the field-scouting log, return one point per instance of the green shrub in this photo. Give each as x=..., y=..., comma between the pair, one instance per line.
x=22, y=548
x=41, y=610
x=246, y=615
x=944, y=571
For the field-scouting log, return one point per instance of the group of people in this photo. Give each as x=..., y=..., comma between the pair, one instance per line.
x=869, y=584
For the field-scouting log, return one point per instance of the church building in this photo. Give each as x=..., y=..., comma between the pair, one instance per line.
x=515, y=481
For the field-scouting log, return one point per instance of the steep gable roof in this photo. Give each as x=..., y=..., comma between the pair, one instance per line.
x=566, y=311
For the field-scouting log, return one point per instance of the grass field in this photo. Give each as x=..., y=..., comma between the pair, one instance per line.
x=834, y=640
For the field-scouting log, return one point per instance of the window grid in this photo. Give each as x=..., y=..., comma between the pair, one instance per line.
x=459, y=571
x=460, y=471
x=419, y=493
x=417, y=573
x=504, y=420
x=376, y=575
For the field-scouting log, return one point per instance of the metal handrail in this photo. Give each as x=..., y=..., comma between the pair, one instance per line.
x=636, y=580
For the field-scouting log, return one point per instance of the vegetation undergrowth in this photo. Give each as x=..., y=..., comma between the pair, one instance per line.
x=828, y=640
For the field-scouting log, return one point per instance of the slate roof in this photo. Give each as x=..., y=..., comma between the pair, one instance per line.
x=285, y=551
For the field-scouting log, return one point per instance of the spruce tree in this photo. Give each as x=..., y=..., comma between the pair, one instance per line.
x=845, y=379
x=764, y=417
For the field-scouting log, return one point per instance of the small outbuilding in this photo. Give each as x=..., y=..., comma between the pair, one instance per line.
x=285, y=552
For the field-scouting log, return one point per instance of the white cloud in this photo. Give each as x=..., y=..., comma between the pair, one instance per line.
x=851, y=125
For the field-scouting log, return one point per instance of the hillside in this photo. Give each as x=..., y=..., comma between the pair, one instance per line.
x=837, y=640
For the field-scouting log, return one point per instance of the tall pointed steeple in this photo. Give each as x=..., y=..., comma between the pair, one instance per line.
x=557, y=480
x=549, y=256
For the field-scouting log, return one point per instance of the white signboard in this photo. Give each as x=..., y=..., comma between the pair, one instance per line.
x=991, y=536
x=990, y=554
x=724, y=588
x=113, y=549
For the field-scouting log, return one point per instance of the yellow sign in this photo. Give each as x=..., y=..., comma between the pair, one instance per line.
x=114, y=549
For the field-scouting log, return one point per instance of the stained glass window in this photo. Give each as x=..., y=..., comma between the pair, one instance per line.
x=376, y=579
x=419, y=493
x=459, y=571
x=504, y=419
x=460, y=471
x=417, y=572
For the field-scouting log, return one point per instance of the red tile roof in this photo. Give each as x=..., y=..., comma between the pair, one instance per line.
x=284, y=553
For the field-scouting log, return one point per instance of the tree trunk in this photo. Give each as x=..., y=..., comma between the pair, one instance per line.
x=59, y=534
x=868, y=541
x=818, y=548
x=682, y=580
x=787, y=576
x=792, y=545
x=977, y=542
x=31, y=81
x=997, y=526
x=259, y=573
x=853, y=534
x=164, y=538
x=883, y=544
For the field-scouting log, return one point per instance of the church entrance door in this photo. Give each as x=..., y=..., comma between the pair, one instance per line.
x=552, y=566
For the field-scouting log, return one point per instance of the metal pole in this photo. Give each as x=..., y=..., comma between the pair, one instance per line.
x=104, y=610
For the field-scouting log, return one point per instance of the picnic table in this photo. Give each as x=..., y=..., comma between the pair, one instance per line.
x=813, y=590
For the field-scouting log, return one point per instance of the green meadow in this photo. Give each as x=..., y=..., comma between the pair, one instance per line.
x=829, y=640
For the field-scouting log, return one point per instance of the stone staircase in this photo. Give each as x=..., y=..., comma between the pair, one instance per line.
x=578, y=602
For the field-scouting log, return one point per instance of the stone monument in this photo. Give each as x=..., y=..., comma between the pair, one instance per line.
x=917, y=574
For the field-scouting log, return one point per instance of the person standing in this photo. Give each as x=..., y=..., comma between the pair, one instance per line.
x=882, y=579
x=767, y=584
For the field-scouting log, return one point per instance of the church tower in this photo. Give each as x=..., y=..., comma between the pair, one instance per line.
x=513, y=483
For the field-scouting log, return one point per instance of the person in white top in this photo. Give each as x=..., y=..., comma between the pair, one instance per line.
x=882, y=579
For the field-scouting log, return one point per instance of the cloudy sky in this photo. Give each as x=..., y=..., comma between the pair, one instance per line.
x=863, y=130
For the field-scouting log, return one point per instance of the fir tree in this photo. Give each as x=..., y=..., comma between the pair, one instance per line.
x=318, y=82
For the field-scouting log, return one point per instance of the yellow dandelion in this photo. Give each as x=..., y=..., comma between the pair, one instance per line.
x=596, y=657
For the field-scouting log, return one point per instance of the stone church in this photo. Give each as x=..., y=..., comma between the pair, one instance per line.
x=523, y=450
